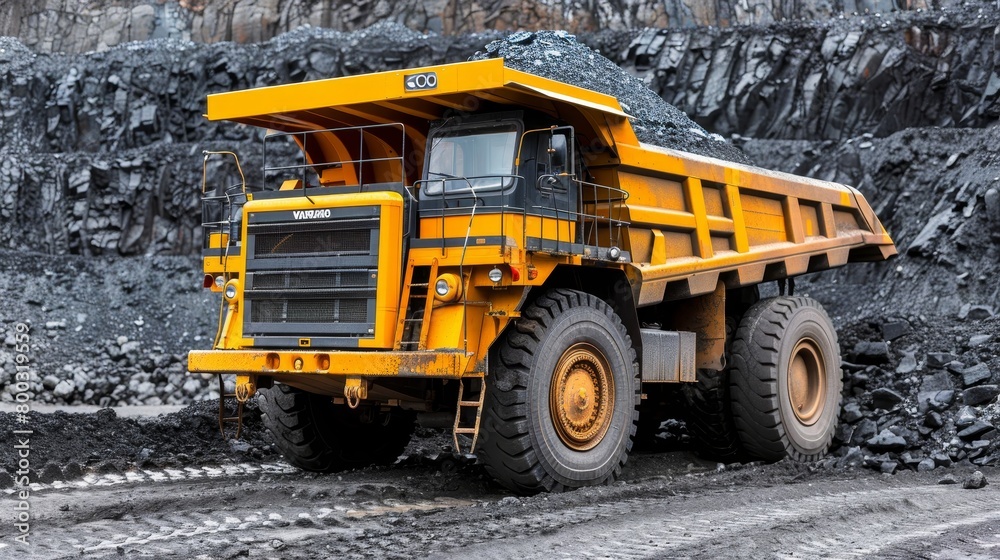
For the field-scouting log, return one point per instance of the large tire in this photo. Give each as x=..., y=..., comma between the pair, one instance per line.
x=785, y=379
x=709, y=413
x=562, y=396
x=317, y=435
x=710, y=419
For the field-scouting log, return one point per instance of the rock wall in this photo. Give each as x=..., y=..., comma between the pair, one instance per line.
x=101, y=153
x=72, y=26
x=834, y=80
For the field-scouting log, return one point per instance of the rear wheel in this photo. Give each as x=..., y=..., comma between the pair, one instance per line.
x=786, y=380
x=710, y=418
x=709, y=411
x=562, y=402
x=315, y=434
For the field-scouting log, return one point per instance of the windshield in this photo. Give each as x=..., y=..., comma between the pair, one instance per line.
x=484, y=156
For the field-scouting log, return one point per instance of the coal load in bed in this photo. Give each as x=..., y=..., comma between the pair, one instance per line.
x=557, y=55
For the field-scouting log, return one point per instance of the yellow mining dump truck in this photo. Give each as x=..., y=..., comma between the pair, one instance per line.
x=483, y=243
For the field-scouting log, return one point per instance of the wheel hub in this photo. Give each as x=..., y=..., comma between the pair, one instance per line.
x=807, y=382
x=581, y=397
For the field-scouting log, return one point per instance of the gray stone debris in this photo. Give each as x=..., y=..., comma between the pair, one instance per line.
x=885, y=398
x=942, y=415
x=50, y=473
x=975, y=482
x=992, y=202
x=966, y=417
x=979, y=339
x=886, y=441
x=976, y=374
x=979, y=395
x=870, y=352
x=891, y=330
x=975, y=430
x=907, y=364
x=940, y=359
x=975, y=312
x=851, y=413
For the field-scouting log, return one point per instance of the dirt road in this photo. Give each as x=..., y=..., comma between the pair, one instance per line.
x=669, y=505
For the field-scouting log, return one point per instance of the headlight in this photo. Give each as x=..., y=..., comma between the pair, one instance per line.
x=448, y=287
x=219, y=280
x=230, y=290
x=442, y=287
x=495, y=275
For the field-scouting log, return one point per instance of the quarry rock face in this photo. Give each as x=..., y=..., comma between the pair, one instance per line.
x=71, y=26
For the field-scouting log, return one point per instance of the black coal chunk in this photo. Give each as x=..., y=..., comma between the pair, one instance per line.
x=885, y=398
x=872, y=353
x=982, y=394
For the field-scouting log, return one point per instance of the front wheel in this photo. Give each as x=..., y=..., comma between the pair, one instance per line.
x=785, y=379
x=562, y=401
x=317, y=435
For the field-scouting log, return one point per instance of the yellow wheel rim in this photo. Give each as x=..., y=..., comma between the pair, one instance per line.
x=807, y=382
x=582, y=397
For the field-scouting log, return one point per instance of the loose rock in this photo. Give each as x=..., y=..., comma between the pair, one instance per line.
x=981, y=394
x=886, y=441
x=975, y=482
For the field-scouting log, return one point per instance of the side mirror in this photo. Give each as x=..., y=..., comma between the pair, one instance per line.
x=558, y=153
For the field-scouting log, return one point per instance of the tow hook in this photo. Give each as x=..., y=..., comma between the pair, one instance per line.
x=246, y=386
x=355, y=390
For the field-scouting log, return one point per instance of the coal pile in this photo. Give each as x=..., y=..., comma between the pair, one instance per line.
x=65, y=445
x=915, y=399
x=106, y=331
x=559, y=56
x=935, y=190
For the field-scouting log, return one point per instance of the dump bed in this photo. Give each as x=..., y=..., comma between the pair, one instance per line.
x=696, y=220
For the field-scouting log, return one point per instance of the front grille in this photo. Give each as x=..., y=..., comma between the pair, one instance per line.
x=310, y=311
x=280, y=244
x=300, y=280
x=313, y=278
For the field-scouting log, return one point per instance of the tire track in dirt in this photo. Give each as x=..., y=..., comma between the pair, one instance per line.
x=849, y=524
x=767, y=511
x=172, y=517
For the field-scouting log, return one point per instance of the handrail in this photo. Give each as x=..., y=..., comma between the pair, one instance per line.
x=607, y=203
x=359, y=162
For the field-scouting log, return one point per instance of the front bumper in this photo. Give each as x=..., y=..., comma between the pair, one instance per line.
x=339, y=363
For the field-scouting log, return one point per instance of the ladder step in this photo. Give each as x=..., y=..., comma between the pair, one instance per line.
x=420, y=285
x=469, y=403
x=464, y=430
